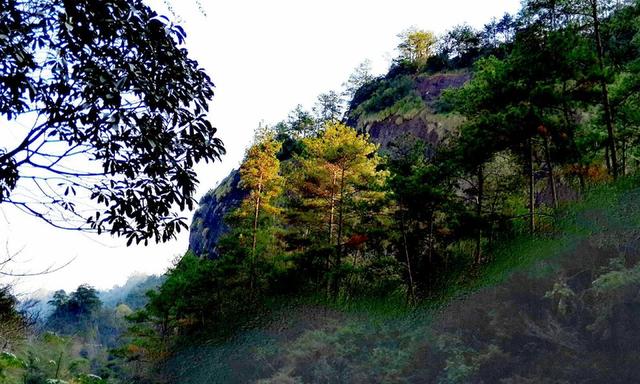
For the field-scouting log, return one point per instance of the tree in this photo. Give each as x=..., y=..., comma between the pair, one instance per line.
x=360, y=76
x=529, y=96
x=75, y=312
x=328, y=108
x=59, y=299
x=416, y=45
x=13, y=322
x=84, y=300
x=259, y=174
x=338, y=171
x=485, y=102
x=590, y=15
x=461, y=45
x=116, y=113
x=300, y=123
x=423, y=189
x=626, y=98
x=597, y=7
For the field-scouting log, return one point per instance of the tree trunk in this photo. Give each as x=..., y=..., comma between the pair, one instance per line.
x=255, y=236
x=431, y=242
x=532, y=202
x=331, y=225
x=336, y=282
x=608, y=116
x=431, y=246
x=255, y=225
x=341, y=212
x=333, y=207
x=478, y=253
x=552, y=180
x=411, y=293
x=58, y=366
x=565, y=106
x=624, y=158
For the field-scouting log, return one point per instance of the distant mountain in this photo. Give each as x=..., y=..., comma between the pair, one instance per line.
x=37, y=304
x=132, y=293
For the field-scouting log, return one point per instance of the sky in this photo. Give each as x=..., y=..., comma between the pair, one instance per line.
x=265, y=57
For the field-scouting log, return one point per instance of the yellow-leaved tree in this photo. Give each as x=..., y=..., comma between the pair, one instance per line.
x=260, y=176
x=416, y=45
x=337, y=173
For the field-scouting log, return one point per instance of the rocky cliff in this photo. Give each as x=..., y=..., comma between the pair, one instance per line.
x=208, y=222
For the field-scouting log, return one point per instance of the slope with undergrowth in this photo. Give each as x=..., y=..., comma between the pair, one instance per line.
x=562, y=307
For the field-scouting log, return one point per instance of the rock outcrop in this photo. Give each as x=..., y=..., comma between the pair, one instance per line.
x=208, y=223
x=425, y=124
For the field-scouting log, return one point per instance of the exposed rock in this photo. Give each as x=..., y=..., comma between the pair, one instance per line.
x=426, y=124
x=208, y=223
x=431, y=87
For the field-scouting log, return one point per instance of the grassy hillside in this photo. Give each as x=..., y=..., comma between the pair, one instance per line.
x=561, y=305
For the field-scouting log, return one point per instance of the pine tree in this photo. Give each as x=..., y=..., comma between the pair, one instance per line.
x=259, y=174
x=339, y=170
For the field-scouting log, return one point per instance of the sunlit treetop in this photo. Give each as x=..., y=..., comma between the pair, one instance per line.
x=416, y=45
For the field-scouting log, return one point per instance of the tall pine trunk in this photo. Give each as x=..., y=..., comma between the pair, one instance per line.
x=608, y=116
x=552, y=179
x=411, y=295
x=255, y=237
x=532, y=198
x=431, y=246
x=331, y=225
x=478, y=255
x=624, y=158
x=332, y=208
x=431, y=237
x=336, y=279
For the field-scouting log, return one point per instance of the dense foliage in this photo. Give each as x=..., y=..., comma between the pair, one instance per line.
x=116, y=113
x=76, y=343
x=332, y=214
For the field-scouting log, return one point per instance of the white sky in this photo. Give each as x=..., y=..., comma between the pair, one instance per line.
x=265, y=57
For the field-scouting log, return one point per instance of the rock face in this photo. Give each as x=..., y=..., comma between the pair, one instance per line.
x=208, y=223
x=426, y=125
x=431, y=87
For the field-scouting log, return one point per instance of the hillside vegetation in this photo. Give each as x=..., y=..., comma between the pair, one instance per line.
x=470, y=216
x=561, y=308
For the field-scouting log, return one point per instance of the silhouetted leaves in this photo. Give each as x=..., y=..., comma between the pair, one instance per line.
x=121, y=115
